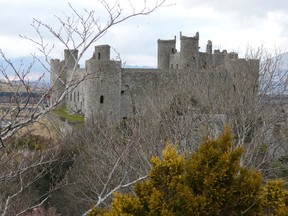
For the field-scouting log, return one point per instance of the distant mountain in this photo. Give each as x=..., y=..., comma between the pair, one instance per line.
x=284, y=59
x=17, y=86
x=137, y=66
x=23, y=65
x=275, y=81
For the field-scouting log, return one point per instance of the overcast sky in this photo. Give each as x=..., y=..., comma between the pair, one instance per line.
x=230, y=24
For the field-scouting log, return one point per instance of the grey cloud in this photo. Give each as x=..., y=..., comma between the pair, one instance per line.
x=284, y=24
x=245, y=8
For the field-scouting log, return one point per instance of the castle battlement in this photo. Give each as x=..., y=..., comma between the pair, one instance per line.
x=112, y=92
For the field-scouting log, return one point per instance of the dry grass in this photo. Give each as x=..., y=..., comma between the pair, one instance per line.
x=44, y=128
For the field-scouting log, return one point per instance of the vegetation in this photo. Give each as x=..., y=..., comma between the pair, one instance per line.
x=64, y=115
x=210, y=181
x=75, y=171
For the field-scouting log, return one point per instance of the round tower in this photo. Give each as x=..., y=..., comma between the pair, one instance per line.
x=189, y=51
x=58, y=80
x=165, y=48
x=102, y=87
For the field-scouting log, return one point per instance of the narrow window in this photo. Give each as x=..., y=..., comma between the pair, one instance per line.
x=171, y=66
x=74, y=96
x=122, y=92
x=99, y=55
x=205, y=65
x=78, y=96
x=101, y=99
x=176, y=66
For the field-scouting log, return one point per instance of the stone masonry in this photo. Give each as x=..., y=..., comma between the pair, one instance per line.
x=104, y=89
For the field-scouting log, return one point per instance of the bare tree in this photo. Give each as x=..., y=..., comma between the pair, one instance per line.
x=23, y=166
x=113, y=160
x=26, y=104
x=249, y=95
x=75, y=32
x=255, y=105
x=110, y=159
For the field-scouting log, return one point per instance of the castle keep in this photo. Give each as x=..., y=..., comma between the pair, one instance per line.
x=104, y=89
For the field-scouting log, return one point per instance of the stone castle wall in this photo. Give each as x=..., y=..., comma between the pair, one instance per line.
x=106, y=90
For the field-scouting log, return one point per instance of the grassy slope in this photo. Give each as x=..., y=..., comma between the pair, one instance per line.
x=64, y=115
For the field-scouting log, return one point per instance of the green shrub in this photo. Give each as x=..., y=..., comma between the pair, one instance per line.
x=207, y=182
x=64, y=115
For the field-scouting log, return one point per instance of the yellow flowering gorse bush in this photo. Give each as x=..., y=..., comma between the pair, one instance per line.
x=207, y=182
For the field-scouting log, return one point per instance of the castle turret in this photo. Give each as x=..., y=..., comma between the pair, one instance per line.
x=165, y=48
x=59, y=73
x=209, y=47
x=102, y=52
x=70, y=57
x=189, y=51
x=58, y=80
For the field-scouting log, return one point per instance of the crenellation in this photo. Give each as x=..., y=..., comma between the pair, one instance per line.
x=112, y=92
x=232, y=55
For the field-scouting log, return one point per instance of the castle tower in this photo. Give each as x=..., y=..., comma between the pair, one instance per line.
x=58, y=81
x=219, y=58
x=209, y=47
x=165, y=48
x=102, y=52
x=189, y=51
x=70, y=57
x=59, y=72
x=102, y=87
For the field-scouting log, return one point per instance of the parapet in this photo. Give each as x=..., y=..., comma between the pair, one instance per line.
x=167, y=41
x=55, y=61
x=220, y=52
x=196, y=37
x=233, y=55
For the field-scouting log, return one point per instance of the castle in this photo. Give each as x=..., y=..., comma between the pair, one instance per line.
x=105, y=89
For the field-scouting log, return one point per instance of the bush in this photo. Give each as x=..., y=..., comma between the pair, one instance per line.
x=207, y=182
